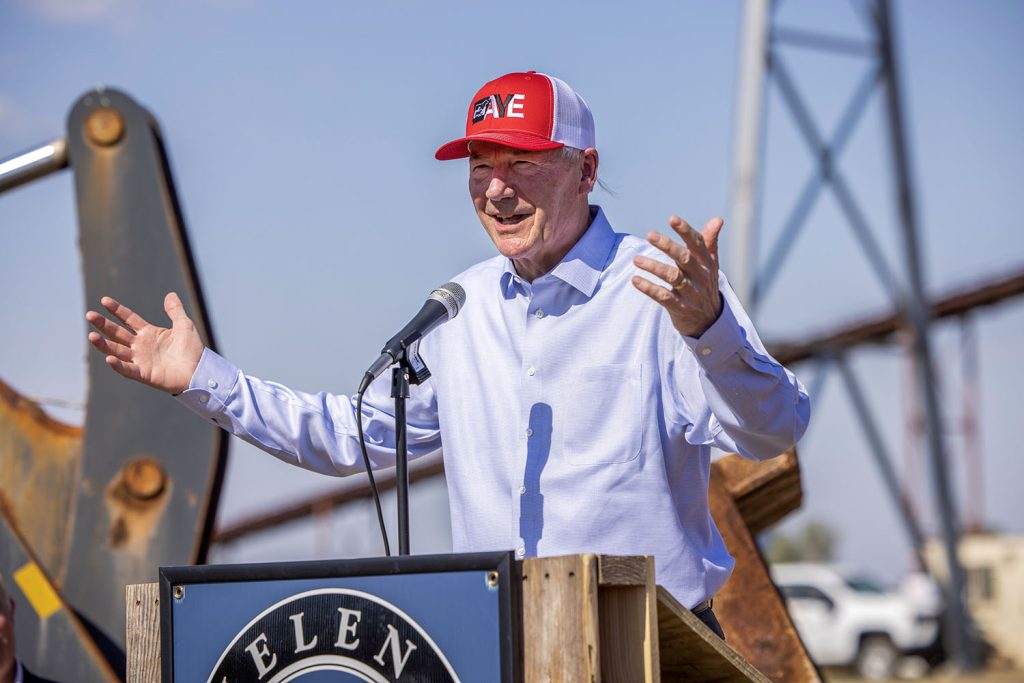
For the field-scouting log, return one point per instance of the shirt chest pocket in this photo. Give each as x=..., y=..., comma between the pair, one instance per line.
x=602, y=415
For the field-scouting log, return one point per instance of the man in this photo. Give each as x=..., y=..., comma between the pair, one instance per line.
x=575, y=398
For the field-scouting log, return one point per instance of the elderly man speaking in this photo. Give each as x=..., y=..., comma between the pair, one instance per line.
x=577, y=396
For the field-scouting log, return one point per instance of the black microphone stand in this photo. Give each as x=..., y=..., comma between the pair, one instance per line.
x=410, y=370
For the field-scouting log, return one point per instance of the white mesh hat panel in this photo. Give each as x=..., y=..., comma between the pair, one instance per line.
x=573, y=122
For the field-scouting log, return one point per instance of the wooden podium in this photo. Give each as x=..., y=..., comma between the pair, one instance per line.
x=593, y=618
x=582, y=618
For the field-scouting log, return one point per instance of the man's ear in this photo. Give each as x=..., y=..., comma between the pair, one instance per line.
x=588, y=170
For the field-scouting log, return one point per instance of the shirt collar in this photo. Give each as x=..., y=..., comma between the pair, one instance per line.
x=581, y=268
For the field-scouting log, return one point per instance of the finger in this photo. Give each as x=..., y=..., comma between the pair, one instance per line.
x=667, y=272
x=710, y=233
x=663, y=296
x=675, y=251
x=109, y=348
x=129, y=370
x=111, y=329
x=175, y=310
x=693, y=240
x=133, y=320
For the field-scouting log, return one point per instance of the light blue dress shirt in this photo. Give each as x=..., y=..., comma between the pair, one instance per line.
x=573, y=416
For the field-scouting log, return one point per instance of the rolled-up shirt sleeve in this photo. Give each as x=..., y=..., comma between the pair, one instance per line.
x=315, y=431
x=751, y=405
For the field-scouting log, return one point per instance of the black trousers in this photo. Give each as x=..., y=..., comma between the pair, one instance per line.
x=707, y=616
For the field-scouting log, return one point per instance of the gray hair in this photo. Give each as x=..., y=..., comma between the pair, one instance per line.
x=572, y=154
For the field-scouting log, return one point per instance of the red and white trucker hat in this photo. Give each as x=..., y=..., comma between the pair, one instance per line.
x=527, y=111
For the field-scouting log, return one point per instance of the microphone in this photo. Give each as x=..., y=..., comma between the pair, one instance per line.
x=442, y=305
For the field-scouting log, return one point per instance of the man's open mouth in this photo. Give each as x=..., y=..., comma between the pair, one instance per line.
x=511, y=220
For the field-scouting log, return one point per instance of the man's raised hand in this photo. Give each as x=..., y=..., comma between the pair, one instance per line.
x=692, y=298
x=161, y=357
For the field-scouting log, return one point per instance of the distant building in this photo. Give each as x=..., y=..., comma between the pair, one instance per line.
x=994, y=566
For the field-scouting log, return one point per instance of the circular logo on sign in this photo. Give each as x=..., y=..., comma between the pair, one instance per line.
x=333, y=630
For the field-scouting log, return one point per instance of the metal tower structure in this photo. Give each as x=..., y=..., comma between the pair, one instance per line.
x=763, y=66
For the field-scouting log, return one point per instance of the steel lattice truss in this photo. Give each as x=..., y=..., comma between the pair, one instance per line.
x=764, y=66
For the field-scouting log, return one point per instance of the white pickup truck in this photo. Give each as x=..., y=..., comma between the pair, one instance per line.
x=845, y=620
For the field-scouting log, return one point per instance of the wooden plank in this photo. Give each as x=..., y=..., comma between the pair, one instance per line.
x=622, y=570
x=142, y=641
x=628, y=619
x=691, y=652
x=749, y=606
x=561, y=642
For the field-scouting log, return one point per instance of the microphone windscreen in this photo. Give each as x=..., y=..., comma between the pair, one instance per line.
x=452, y=296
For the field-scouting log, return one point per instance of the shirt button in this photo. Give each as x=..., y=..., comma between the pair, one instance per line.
x=706, y=351
x=203, y=398
x=539, y=313
x=531, y=372
x=522, y=490
x=529, y=431
x=520, y=551
x=212, y=384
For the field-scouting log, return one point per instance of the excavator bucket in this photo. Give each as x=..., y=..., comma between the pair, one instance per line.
x=136, y=488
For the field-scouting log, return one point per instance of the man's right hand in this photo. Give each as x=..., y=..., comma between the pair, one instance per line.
x=160, y=357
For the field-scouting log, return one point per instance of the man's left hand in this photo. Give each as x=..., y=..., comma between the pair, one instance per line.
x=692, y=298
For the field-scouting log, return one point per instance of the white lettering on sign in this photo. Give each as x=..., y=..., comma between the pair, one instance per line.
x=259, y=651
x=300, y=638
x=398, y=660
x=324, y=628
x=347, y=628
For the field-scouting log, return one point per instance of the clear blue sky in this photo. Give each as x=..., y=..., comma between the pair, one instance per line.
x=301, y=136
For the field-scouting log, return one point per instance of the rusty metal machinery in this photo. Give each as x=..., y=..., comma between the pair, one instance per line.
x=747, y=498
x=87, y=511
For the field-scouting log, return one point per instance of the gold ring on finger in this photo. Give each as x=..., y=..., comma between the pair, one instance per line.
x=679, y=286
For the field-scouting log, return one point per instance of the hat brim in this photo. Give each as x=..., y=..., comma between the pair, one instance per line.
x=459, y=149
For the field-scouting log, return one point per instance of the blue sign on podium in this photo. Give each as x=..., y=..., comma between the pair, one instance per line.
x=437, y=618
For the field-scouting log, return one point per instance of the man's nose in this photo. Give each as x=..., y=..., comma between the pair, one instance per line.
x=499, y=189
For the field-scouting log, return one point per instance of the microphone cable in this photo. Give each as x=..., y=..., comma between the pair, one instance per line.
x=442, y=305
x=369, y=472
